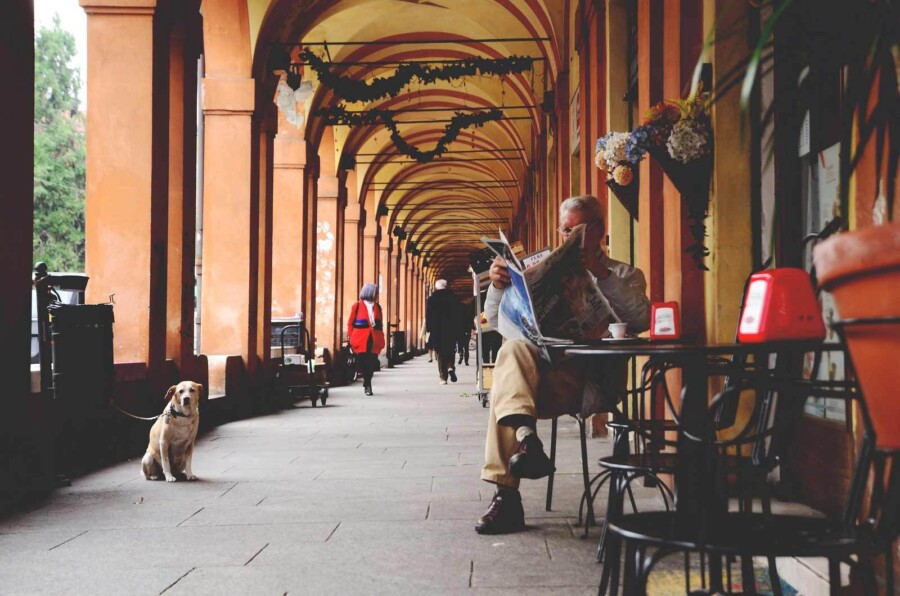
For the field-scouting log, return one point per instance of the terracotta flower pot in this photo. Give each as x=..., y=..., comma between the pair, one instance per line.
x=862, y=271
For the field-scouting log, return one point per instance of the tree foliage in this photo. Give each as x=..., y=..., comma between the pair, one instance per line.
x=59, y=149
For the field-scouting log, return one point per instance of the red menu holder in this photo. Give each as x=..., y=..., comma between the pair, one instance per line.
x=665, y=321
x=780, y=304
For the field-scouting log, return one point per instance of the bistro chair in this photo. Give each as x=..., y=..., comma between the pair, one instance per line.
x=866, y=529
x=641, y=438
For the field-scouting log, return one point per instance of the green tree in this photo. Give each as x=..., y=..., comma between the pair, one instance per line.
x=58, y=152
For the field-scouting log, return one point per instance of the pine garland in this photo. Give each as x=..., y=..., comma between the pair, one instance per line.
x=350, y=89
x=338, y=114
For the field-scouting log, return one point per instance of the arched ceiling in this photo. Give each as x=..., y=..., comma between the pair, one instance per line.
x=447, y=205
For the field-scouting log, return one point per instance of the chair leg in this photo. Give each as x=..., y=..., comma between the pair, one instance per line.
x=552, y=464
x=889, y=569
x=630, y=580
x=774, y=578
x=834, y=577
x=586, y=476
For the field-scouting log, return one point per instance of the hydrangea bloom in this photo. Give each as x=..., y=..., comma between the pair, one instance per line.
x=623, y=175
x=688, y=141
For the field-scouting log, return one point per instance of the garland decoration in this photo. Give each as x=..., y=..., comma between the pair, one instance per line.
x=338, y=115
x=350, y=89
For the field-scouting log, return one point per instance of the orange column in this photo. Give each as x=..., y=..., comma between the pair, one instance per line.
x=182, y=195
x=16, y=171
x=402, y=285
x=264, y=160
x=288, y=230
x=352, y=283
x=326, y=261
x=384, y=279
x=228, y=233
x=127, y=171
x=310, y=242
x=370, y=252
x=650, y=201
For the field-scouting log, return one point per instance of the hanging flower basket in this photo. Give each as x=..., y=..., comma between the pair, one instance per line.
x=627, y=195
x=692, y=180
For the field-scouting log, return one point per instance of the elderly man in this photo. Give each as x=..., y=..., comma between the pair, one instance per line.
x=526, y=387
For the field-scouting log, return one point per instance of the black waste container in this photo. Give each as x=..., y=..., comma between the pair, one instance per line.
x=398, y=345
x=83, y=373
x=83, y=380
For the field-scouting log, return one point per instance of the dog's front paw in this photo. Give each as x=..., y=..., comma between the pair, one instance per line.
x=191, y=477
x=170, y=479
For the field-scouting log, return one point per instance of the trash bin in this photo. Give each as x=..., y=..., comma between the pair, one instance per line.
x=83, y=373
x=83, y=381
x=398, y=345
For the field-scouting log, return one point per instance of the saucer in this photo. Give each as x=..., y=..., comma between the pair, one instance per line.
x=623, y=339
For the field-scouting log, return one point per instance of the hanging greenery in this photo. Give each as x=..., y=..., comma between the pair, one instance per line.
x=338, y=114
x=350, y=89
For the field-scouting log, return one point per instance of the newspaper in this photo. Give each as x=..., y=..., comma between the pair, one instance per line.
x=555, y=300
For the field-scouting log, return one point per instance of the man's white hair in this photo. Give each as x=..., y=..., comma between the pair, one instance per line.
x=440, y=284
x=587, y=204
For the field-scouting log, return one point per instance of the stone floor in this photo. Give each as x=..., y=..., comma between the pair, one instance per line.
x=368, y=495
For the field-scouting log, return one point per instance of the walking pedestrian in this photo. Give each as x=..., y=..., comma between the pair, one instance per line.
x=366, y=333
x=442, y=320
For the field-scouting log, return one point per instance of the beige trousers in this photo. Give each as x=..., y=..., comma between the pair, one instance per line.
x=524, y=383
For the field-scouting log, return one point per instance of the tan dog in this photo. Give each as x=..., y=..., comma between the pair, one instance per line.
x=173, y=434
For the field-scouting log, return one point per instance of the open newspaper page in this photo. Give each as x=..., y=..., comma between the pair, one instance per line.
x=566, y=300
x=554, y=300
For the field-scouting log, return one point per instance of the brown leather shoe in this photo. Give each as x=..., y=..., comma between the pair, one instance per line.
x=504, y=516
x=529, y=460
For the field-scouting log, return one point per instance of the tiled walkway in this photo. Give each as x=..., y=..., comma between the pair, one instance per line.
x=369, y=495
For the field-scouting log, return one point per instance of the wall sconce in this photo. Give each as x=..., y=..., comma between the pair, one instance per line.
x=399, y=233
x=382, y=210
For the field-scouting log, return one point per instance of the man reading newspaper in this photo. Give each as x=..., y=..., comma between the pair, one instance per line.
x=528, y=386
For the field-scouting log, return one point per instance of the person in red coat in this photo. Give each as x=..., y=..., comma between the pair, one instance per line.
x=366, y=333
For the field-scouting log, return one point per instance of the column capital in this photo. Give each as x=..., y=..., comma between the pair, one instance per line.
x=328, y=188
x=118, y=7
x=229, y=96
x=290, y=153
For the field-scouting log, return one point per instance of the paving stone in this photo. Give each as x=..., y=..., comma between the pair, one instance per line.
x=369, y=495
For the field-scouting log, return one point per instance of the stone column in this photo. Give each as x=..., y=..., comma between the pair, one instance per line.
x=370, y=252
x=17, y=173
x=288, y=230
x=265, y=180
x=229, y=239
x=326, y=261
x=182, y=214
x=127, y=174
x=310, y=242
x=402, y=284
x=352, y=283
x=384, y=278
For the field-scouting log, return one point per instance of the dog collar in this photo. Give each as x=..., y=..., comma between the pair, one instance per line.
x=170, y=411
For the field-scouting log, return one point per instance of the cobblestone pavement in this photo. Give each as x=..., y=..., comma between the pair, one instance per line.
x=368, y=495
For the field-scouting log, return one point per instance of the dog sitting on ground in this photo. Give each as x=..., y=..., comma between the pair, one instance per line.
x=173, y=434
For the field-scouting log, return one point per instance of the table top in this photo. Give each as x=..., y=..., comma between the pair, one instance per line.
x=644, y=347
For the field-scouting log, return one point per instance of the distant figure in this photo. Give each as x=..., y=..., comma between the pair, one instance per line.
x=490, y=341
x=366, y=333
x=466, y=327
x=442, y=321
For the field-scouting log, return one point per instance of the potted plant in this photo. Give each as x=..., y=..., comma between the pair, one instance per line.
x=616, y=155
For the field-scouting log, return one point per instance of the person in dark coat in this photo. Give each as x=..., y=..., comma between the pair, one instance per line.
x=366, y=333
x=442, y=321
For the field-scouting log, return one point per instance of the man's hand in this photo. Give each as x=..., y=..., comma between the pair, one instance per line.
x=499, y=273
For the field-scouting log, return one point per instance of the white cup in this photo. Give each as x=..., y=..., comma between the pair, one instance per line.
x=617, y=330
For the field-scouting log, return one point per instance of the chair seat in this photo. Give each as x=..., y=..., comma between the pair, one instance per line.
x=659, y=463
x=753, y=534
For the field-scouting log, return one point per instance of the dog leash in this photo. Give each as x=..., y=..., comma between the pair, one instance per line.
x=116, y=406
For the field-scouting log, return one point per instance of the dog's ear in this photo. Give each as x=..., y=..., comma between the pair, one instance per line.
x=199, y=390
x=171, y=392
